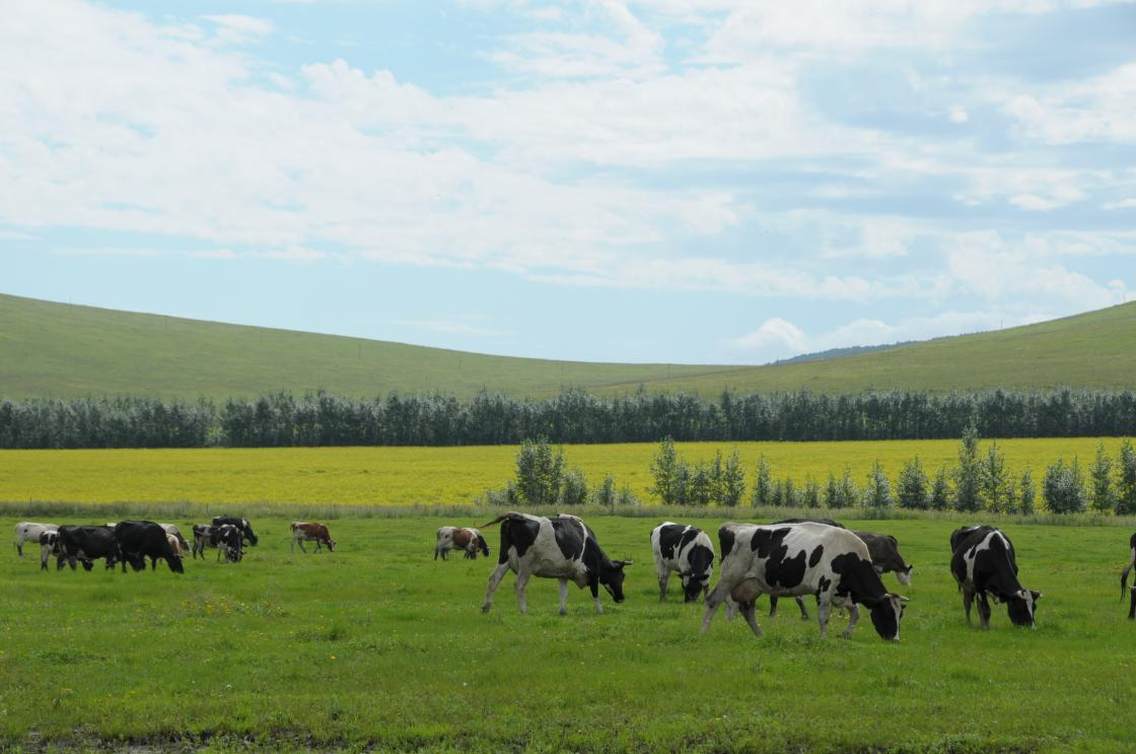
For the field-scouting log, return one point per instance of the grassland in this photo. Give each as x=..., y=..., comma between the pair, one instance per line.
x=378, y=646
x=440, y=476
x=60, y=350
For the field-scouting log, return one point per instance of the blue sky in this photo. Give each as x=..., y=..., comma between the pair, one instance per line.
x=671, y=181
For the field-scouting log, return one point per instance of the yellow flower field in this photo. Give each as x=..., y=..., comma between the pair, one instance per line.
x=443, y=476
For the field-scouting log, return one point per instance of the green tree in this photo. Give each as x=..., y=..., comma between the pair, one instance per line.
x=733, y=481
x=831, y=492
x=968, y=474
x=1028, y=493
x=941, y=490
x=574, y=488
x=992, y=479
x=1126, y=484
x=1103, y=498
x=878, y=492
x=1063, y=489
x=912, y=487
x=811, y=496
x=540, y=472
x=664, y=469
x=763, y=484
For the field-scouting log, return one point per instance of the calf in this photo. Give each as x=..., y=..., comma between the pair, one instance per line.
x=799, y=559
x=29, y=531
x=1124, y=579
x=983, y=563
x=138, y=540
x=689, y=552
x=563, y=548
x=467, y=539
x=241, y=523
x=305, y=531
x=85, y=544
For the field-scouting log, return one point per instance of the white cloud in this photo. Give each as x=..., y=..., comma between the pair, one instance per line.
x=774, y=334
x=237, y=29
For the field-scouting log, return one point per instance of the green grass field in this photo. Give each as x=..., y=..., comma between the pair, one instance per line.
x=60, y=350
x=389, y=476
x=378, y=647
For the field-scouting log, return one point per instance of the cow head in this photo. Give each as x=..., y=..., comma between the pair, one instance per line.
x=611, y=576
x=904, y=575
x=693, y=584
x=248, y=532
x=886, y=615
x=1023, y=607
x=330, y=544
x=483, y=545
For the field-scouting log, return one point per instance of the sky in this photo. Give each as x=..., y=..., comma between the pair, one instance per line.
x=678, y=181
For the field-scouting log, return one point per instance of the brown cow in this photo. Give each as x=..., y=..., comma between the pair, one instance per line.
x=467, y=540
x=307, y=531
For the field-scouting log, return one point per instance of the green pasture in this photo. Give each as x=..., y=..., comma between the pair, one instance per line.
x=378, y=647
x=58, y=350
x=397, y=476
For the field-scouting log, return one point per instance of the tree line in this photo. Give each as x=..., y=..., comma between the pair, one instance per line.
x=574, y=416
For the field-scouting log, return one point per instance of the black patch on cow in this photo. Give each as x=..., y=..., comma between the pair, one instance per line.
x=670, y=538
x=569, y=537
x=725, y=542
x=818, y=551
x=780, y=571
x=701, y=558
x=519, y=533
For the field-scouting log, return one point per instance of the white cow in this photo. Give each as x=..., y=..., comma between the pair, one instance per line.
x=28, y=531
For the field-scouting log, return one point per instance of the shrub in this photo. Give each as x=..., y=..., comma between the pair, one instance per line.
x=574, y=488
x=1103, y=498
x=605, y=494
x=733, y=481
x=1126, y=486
x=912, y=487
x=763, y=484
x=993, y=481
x=540, y=472
x=878, y=492
x=811, y=496
x=968, y=475
x=665, y=470
x=941, y=490
x=1062, y=489
x=1028, y=493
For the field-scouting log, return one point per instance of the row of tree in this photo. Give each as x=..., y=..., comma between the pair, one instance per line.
x=979, y=481
x=572, y=417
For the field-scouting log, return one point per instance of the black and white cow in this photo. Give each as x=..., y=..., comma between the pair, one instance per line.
x=983, y=563
x=85, y=544
x=563, y=548
x=799, y=559
x=1124, y=579
x=241, y=523
x=47, y=546
x=138, y=540
x=228, y=539
x=883, y=549
x=687, y=551
x=29, y=531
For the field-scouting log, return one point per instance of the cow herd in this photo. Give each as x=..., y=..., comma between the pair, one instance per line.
x=132, y=542
x=790, y=558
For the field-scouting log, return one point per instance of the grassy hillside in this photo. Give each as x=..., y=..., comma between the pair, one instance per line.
x=51, y=349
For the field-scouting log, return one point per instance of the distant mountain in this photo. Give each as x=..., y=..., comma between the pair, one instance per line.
x=836, y=353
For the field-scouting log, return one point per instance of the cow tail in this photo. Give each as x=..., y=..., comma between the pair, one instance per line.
x=503, y=517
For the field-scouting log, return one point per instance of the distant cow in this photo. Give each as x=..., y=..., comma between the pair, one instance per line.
x=983, y=563
x=47, y=545
x=241, y=523
x=176, y=546
x=85, y=544
x=799, y=559
x=138, y=540
x=228, y=540
x=183, y=546
x=883, y=549
x=466, y=539
x=307, y=531
x=687, y=551
x=563, y=548
x=28, y=531
x=1124, y=579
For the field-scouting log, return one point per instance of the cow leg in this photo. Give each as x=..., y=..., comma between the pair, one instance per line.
x=292, y=548
x=300, y=542
x=984, y=610
x=823, y=609
x=1132, y=603
x=749, y=612
x=772, y=606
x=522, y=582
x=664, y=579
x=853, y=616
x=804, y=610
x=967, y=601
x=494, y=582
x=20, y=547
x=563, y=596
x=595, y=587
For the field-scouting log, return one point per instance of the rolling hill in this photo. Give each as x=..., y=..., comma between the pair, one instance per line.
x=63, y=350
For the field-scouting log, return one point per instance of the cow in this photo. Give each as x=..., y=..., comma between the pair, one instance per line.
x=983, y=563
x=47, y=545
x=306, y=531
x=85, y=544
x=138, y=540
x=241, y=523
x=562, y=548
x=176, y=546
x=799, y=559
x=29, y=531
x=1124, y=579
x=466, y=539
x=689, y=552
x=171, y=529
x=228, y=540
x=883, y=549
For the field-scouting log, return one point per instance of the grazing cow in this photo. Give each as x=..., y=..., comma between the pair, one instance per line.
x=176, y=546
x=883, y=549
x=466, y=539
x=228, y=540
x=1124, y=579
x=983, y=563
x=183, y=546
x=306, y=531
x=85, y=544
x=28, y=531
x=241, y=523
x=563, y=548
x=47, y=546
x=799, y=559
x=686, y=550
x=138, y=540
